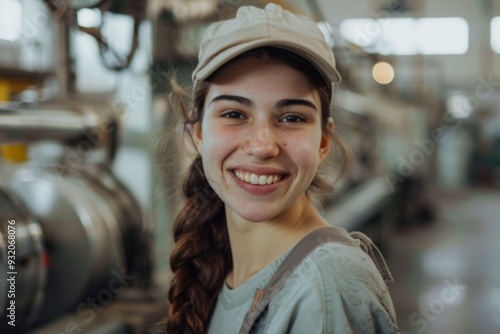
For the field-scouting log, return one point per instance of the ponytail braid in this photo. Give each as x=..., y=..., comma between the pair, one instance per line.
x=201, y=257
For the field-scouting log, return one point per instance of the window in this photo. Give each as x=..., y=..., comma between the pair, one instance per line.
x=495, y=34
x=408, y=36
x=10, y=20
x=443, y=35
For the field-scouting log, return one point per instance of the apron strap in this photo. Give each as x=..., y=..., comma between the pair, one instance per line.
x=307, y=244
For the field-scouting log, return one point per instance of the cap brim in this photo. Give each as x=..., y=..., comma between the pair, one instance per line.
x=327, y=70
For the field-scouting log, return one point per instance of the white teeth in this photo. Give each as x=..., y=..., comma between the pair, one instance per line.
x=257, y=179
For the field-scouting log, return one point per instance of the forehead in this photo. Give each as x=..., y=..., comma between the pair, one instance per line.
x=260, y=78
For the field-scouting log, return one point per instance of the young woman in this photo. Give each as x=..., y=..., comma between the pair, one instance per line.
x=261, y=126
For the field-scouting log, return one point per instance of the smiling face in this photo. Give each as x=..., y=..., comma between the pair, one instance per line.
x=261, y=138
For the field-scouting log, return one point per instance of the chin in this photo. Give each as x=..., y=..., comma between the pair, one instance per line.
x=255, y=216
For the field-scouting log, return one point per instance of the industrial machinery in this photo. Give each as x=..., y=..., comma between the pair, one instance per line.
x=78, y=230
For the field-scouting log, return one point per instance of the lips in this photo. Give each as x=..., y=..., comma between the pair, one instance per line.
x=257, y=179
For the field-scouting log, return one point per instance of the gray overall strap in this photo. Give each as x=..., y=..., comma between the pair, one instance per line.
x=311, y=241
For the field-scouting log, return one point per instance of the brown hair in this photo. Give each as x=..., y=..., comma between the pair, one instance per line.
x=201, y=258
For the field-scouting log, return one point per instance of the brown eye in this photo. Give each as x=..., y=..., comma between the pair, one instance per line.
x=292, y=119
x=233, y=114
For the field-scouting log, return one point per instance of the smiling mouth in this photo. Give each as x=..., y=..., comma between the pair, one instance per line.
x=258, y=179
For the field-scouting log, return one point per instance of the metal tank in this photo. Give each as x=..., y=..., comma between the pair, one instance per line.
x=30, y=266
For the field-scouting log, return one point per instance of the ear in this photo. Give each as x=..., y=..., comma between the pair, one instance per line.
x=326, y=141
x=197, y=135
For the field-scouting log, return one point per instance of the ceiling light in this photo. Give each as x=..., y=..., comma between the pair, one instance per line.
x=383, y=73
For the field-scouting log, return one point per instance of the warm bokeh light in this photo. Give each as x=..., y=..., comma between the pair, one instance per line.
x=383, y=73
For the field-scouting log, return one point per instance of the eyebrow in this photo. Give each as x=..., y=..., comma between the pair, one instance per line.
x=289, y=102
x=235, y=98
x=279, y=105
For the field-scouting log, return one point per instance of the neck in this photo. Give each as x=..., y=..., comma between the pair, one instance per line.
x=256, y=245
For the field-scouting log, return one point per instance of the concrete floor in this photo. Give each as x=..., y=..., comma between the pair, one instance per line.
x=447, y=274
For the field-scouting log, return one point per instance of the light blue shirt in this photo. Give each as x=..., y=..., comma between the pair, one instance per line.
x=336, y=289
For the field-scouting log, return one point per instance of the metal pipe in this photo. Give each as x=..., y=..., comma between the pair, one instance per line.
x=22, y=125
x=63, y=70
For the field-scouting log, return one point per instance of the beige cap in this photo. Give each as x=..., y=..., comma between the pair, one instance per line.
x=255, y=27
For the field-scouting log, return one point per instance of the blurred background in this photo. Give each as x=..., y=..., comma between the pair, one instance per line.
x=88, y=172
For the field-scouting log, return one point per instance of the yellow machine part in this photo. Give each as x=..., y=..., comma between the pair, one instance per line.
x=17, y=152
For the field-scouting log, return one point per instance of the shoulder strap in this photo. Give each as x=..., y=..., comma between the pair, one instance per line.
x=369, y=248
x=307, y=244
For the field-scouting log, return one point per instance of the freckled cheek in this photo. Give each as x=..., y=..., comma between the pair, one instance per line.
x=304, y=152
x=217, y=144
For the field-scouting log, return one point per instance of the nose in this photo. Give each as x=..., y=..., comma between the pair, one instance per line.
x=261, y=142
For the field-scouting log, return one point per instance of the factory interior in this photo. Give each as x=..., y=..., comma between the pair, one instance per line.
x=90, y=167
